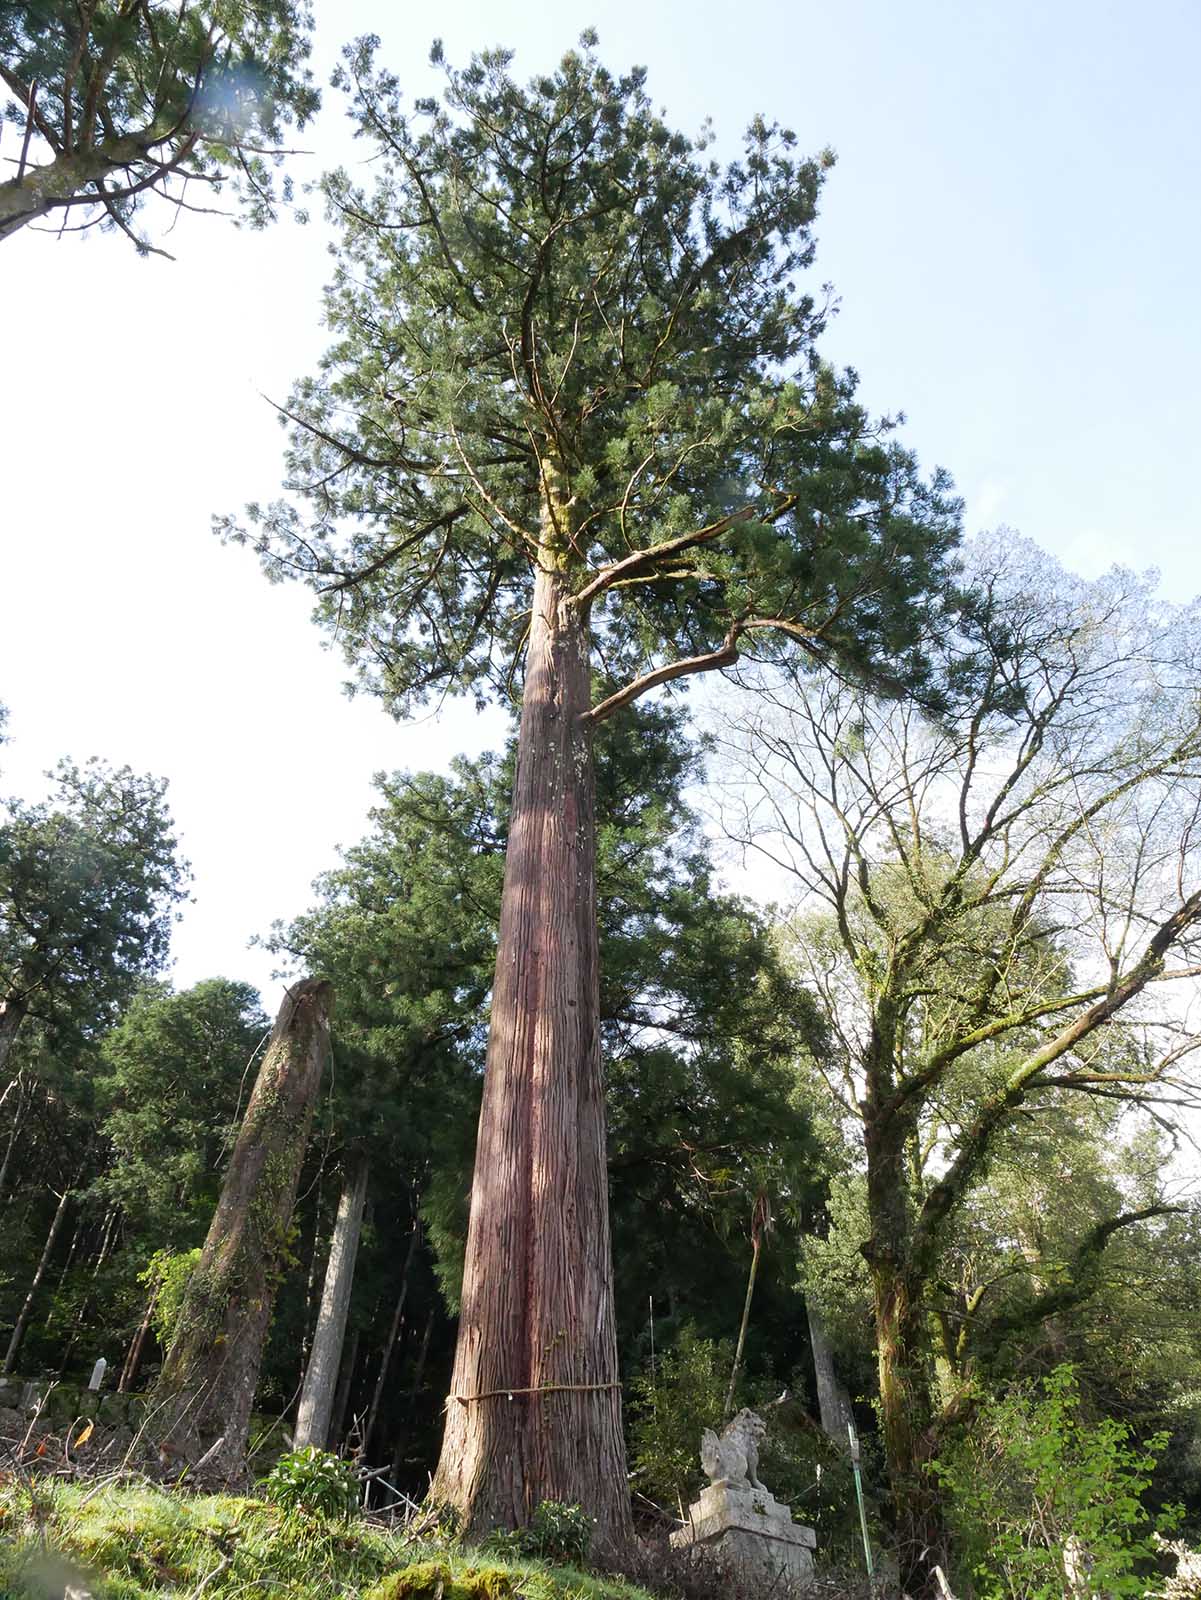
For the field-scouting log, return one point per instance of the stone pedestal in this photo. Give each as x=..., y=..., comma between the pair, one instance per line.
x=752, y=1531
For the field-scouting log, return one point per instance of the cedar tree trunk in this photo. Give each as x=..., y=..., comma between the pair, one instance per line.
x=209, y=1377
x=321, y=1375
x=534, y=1411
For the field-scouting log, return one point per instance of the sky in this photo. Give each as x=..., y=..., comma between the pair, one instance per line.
x=1012, y=229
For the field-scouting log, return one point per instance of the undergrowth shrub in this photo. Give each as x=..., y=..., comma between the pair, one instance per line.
x=167, y=1277
x=670, y=1409
x=312, y=1480
x=554, y=1533
x=1044, y=1503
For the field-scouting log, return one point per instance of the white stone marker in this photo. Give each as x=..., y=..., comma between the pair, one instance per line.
x=98, y=1372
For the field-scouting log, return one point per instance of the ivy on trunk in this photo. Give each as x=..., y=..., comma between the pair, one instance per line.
x=206, y=1388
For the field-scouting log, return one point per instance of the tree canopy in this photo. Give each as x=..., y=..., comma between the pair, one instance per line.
x=89, y=879
x=546, y=285
x=125, y=99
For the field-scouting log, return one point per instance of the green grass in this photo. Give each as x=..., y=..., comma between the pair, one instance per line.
x=123, y=1543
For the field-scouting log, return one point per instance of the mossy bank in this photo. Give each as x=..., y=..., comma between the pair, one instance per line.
x=120, y=1543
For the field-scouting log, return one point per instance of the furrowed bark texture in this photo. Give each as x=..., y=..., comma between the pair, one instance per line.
x=534, y=1411
x=209, y=1377
x=321, y=1375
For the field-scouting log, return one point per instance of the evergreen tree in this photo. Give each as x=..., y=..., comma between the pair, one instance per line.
x=123, y=99
x=169, y=1081
x=88, y=880
x=574, y=424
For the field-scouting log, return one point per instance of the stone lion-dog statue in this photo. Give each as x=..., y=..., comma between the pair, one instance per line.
x=734, y=1458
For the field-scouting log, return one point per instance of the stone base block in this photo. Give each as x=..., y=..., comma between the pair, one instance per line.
x=752, y=1531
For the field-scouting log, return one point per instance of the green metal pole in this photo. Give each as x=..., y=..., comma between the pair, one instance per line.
x=867, y=1544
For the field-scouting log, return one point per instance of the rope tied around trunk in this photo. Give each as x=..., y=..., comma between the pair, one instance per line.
x=543, y=1388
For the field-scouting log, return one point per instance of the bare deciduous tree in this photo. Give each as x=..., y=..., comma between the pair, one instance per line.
x=998, y=911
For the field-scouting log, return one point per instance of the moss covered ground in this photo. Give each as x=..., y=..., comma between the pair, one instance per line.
x=114, y=1542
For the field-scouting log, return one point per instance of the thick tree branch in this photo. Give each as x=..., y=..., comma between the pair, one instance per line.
x=641, y=559
x=1081, y=1283
x=726, y=656
x=977, y=1139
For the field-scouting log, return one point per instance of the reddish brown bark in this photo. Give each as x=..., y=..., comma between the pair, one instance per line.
x=208, y=1380
x=534, y=1411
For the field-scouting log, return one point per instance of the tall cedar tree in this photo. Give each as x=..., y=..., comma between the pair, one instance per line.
x=573, y=427
x=114, y=100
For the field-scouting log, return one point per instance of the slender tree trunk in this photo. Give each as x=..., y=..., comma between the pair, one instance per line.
x=337, y=1426
x=71, y=1249
x=831, y=1397
x=133, y=1360
x=377, y=1393
x=107, y=1240
x=12, y=1015
x=311, y=1254
x=321, y=1375
x=535, y=1406
x=14, y=1344
x=411, y=1397
x=209, y=1377
x=13, y=1133
x=743, y=1325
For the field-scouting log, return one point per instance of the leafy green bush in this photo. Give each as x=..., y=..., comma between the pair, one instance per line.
x=313, y=1480
x=1044, y=1503
x=671, y=1410
x=167, y=1277
x=554, y=1533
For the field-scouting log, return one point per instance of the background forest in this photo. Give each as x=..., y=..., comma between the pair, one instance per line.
x=905, y=1142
